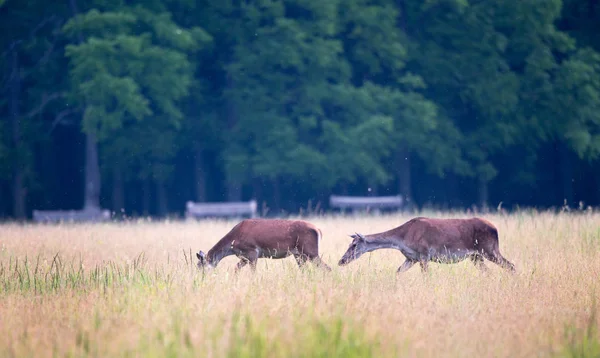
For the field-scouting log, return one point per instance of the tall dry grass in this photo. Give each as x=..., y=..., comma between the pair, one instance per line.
x=132, y=290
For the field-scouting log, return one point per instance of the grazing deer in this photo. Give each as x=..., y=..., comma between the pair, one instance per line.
x=439, y=240
x=266, y=238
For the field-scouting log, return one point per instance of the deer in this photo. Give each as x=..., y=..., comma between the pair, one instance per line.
x=425, y=240
x=252, y=239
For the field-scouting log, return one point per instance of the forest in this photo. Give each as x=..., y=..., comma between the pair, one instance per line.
x=140, y=106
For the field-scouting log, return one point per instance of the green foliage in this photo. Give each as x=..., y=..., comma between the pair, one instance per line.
x=577, y=102
x=581, y=20
x=29, y=62
x=132, y=72
x=461, y=54
x=375, y=45
x=348, y=150
x=317, y=93
x=334, y=337
x=307, y=108
x=378, y=50
x=281, y=73
x=559, y=94
x=584, y=344
x=360, y=135
x=133, y=65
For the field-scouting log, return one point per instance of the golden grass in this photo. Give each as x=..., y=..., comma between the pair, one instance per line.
x=130, y=289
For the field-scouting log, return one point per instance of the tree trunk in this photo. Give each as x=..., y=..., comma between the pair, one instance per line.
x=19, y=191
x=200, y=173
x=565, y=174
x=276, y=195
x=372, y=190
x=234, y=186
x=2, y=200
x=258, y=195
x=404, y=180
x=118, y=193
x=146, y=197
x=452, y=192
x=402, y=18
x=483, y=194
x=234, y=190
x=597, y=181
x=92, y=169
x=344, y=188
x=92, y=174
x=161, y=198
x=257, y=189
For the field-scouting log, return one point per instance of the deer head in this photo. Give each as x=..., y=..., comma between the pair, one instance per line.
x=203, y=261
x=357, y=247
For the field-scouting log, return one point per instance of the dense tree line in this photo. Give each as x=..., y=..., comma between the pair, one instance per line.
x=139, y=106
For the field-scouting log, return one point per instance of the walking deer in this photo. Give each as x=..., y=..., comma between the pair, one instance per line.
x=438, y=240
x=266, y=238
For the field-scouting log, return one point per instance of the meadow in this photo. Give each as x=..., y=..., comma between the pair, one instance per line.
x=132, y=289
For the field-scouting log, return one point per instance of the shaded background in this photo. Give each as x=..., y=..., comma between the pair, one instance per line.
x=140, y=106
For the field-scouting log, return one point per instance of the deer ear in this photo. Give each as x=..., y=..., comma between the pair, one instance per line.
x=353, y=236
x=200, y=255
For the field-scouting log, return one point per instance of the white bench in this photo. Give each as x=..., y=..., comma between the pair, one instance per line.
x=225, y=209
x=57, y=216
x=365, y=203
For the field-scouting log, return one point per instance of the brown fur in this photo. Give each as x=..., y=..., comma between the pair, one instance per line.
x=267, y=238
x=440, y=240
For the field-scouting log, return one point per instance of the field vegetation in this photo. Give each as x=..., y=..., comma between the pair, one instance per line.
x=132, y=289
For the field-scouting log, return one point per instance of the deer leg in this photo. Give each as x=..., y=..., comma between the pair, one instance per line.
x=493, y=254
x=253, y=264
x=310, y=253
x=478, y=262
x=405, y=266
x=301, y=259
x=424, y=265
x=242, y=263
x=252, y=258
x=319, y=263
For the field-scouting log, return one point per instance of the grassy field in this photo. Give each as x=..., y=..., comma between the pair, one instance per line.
x=131, y=289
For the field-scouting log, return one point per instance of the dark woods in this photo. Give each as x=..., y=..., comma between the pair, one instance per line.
x=139, y=106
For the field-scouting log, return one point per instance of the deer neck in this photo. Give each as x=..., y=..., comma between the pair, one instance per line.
x=375, y=242
x=217, y=253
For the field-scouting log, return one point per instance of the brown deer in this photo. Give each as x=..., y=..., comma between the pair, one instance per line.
x=266, y=238
x=438, y=240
